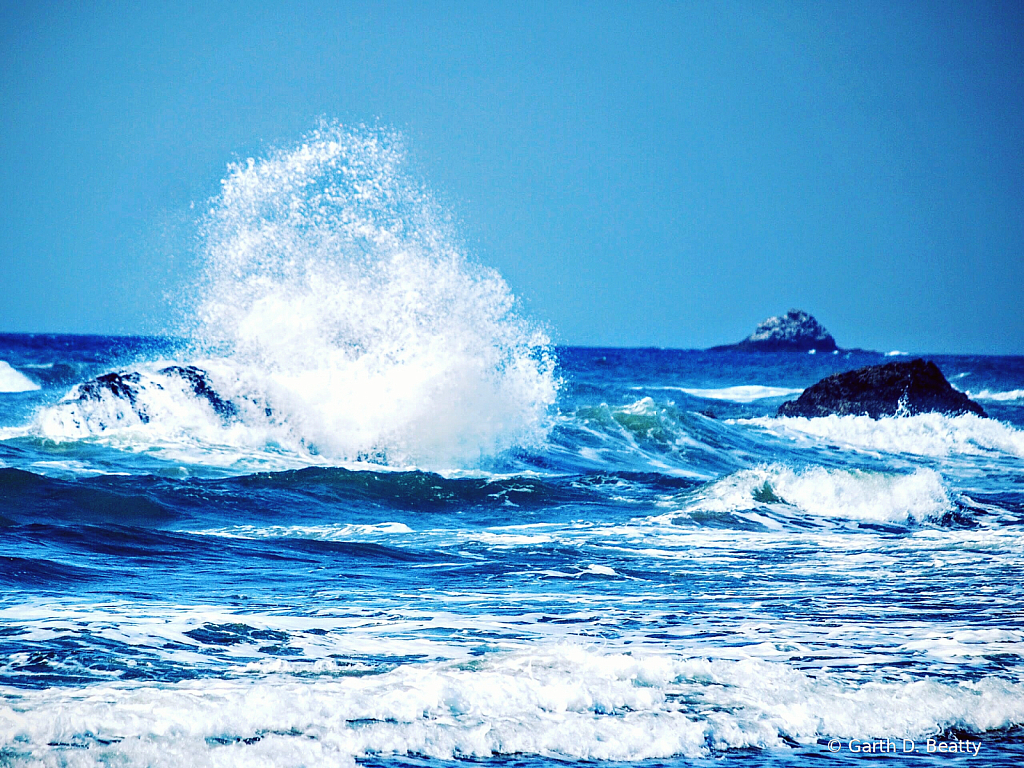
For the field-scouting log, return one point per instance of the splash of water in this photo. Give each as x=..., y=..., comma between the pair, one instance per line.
x=334, y=284
x=336, y=318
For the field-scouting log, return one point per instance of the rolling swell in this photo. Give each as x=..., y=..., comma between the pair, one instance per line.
x=334, y=495
x=36, y=572
x=27, y=496
x=324, y=524
x=331, y=493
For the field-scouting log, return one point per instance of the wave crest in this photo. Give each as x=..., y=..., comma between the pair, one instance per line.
x=832, y=493
x=1009, y=396
x=13, y=380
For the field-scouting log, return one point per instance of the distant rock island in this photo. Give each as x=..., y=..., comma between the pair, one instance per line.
x=795, y=331
x=903, y=388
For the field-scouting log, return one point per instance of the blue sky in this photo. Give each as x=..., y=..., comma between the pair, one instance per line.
x=642, y=173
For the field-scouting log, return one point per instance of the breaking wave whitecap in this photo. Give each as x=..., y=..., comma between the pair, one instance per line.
x=831, y=493
x=334, y=293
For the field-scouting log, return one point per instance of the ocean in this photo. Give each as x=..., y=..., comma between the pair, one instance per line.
x=354, y=507
x=671, y=576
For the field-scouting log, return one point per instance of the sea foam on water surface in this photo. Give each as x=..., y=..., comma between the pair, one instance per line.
x=744, y=393
x=927, y=434
x=565, y=701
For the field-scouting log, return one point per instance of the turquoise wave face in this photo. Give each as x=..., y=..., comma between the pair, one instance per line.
x=668, y=573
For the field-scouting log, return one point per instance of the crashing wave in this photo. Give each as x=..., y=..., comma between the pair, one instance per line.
x=831, y=493
x=334, y=293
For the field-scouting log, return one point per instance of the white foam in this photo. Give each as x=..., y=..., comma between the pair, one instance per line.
x=11, y=433
x=333, y=291
x=170, y=421
x=963, y=644
x=845, y=494
x=13, y=380
x=745, y=393
x=929, y=434
x=516, y=539
x=337, y=532
x=600, y=570
x=69, y=468
x=1002, y=397
x=563, y=701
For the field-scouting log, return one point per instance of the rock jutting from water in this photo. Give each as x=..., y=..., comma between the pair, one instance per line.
x=903, y=388
x=129, y=387
x=795, y=331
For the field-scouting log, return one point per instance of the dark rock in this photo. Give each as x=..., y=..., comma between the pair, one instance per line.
x=903, y=388
x=124, y=386
x=795, y=331
x=128, y=387
x=198, y=381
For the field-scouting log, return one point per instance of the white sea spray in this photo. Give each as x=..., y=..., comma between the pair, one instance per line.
x=338, y=312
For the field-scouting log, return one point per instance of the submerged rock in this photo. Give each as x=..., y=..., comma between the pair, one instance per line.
x=795, y=331
x=902, y=388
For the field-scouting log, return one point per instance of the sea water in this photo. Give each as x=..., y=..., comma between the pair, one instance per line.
x=419, y=533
